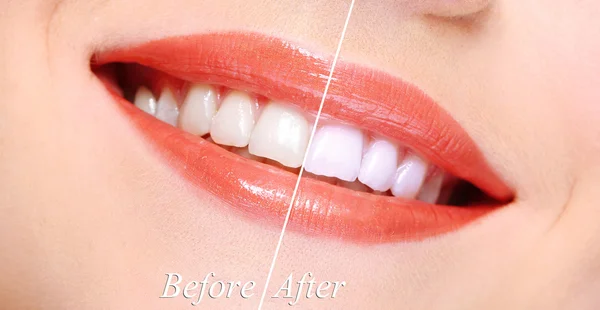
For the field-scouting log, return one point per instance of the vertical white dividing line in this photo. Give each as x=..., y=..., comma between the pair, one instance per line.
x=312, y=134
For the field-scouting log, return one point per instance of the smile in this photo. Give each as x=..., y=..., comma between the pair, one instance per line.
x=233, y=113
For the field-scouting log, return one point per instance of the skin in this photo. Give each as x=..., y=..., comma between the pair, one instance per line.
x=92, y=218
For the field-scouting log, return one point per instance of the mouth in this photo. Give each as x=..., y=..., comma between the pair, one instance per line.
x=233, y=113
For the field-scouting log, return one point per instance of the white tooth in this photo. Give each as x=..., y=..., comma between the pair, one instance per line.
x=281, y=134
x=198, y=109
x=379, y=165
x=336, y=151
x=409, y=176
x=431, y=189
x=233, y=123
x=145, y=101
x=166, y=109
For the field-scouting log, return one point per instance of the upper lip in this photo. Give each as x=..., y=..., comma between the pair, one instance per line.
x=361, y=96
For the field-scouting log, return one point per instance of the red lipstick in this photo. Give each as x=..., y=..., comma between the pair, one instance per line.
x=361, y=96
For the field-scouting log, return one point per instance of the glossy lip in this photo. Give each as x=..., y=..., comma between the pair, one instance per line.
x=361, y=96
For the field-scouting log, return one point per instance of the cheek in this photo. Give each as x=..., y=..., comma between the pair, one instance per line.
x=569, y=44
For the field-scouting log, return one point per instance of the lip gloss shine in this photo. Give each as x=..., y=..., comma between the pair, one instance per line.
x=364, y=97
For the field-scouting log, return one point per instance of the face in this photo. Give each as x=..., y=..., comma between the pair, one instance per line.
x=451, y=156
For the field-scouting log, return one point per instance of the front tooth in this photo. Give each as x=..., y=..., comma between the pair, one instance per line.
x=281, y=134
x=409, y=177
x=233, y=123
x=166, y=109
x=336, y=151
x=145, y=101
x=431, y=189
x=379, y=165
x=198, y=109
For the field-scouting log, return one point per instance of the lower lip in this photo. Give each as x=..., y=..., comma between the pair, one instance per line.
x=263, y=193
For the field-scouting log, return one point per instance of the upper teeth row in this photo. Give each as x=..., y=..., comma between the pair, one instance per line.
x=280, y=132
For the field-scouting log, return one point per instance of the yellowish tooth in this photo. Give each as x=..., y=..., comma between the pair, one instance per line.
x=234, y=121
x=166, y=109
x=145, y=101
x=281, y=134
x=198, y=109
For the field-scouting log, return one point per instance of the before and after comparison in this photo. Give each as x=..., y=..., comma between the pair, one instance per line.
x=318, y=154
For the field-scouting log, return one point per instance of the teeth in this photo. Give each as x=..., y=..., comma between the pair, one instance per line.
x=409, y=177
x=166, y=109
x=233, y=123
x=379, y=165
x=336, y=151
x=431, y=189
x=280, y=138
x=145, y=101
x=198, y=109
x=281, y=134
